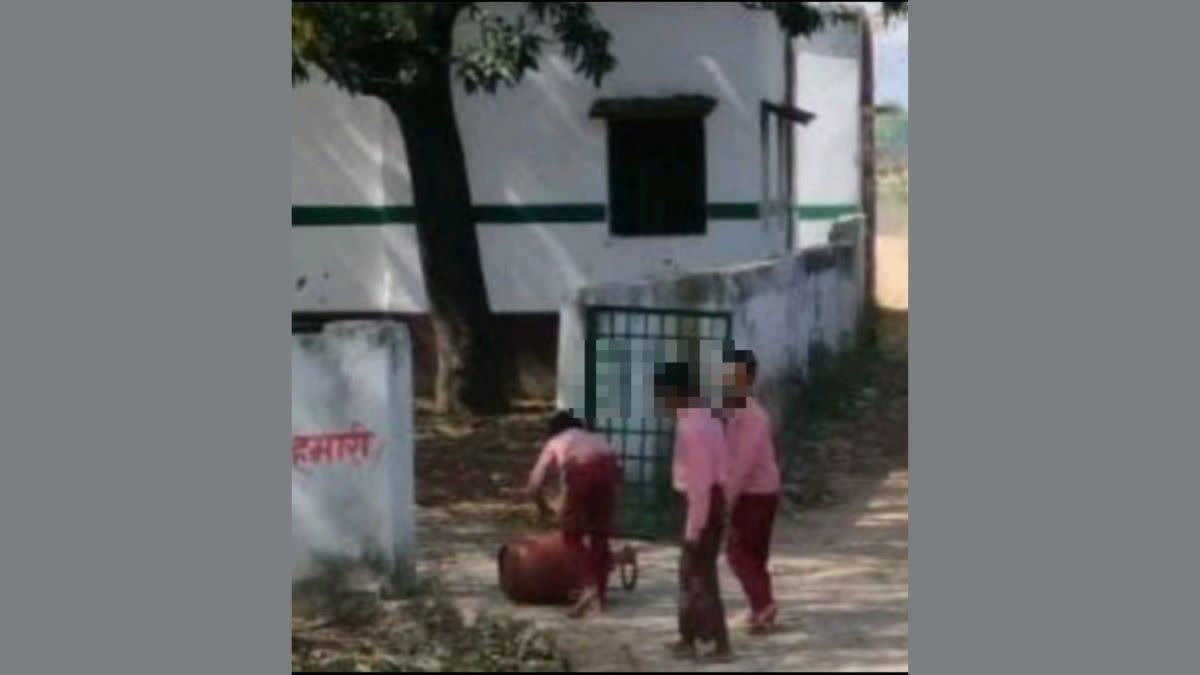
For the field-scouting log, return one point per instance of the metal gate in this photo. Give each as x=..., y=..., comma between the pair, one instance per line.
x=623, y=346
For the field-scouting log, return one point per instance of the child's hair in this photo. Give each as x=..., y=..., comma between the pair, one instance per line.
x=563, y=420
x=674, y=379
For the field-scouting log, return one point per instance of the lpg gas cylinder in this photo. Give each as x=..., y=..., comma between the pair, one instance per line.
x=541, y=569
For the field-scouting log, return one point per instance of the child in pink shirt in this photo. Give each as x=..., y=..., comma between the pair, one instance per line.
x=699, y=468
x=753, y=488
x=590, y=475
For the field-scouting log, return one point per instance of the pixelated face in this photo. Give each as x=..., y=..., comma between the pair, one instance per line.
x=743, y=377
x=671, y=401
x=737, y=384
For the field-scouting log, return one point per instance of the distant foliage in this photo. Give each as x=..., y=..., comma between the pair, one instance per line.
x=891, y=139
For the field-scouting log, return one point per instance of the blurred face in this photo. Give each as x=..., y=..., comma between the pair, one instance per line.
x=737, y=382
x=670, y=400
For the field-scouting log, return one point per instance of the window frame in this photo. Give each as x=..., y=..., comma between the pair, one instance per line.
x=623, y=116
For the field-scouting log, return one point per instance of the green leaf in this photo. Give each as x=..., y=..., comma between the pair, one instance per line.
x=362, y=47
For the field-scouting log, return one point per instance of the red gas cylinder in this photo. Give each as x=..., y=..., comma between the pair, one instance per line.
x=539, y=569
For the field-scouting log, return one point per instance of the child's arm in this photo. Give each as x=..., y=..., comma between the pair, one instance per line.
x=539, y=500
x=537, y=477
x=677, y=470
x=697, y=510
x=698, y=478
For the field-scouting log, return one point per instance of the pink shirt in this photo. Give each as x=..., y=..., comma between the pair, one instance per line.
x=700, y=462
x=753, y=467
x=566, y=448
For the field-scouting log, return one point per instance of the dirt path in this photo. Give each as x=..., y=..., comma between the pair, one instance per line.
x=841, y=577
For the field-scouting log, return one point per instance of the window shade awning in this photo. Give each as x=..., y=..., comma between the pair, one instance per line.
x=788, y=112
x=652, y=108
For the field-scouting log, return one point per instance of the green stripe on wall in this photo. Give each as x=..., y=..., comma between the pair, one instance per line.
x=542, y=213
x=825, y=211
x=306, y=216
x=323, y=216
x=332, y=216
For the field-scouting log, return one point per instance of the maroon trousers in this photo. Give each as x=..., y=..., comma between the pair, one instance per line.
x=701, y=611
x=588, y=518
x=749, y=546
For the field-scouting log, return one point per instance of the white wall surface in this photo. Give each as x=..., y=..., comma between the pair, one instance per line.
x=535, y=144
x=814, y=232
x=528, y=268
x=337, y=147
x=355, y=373
x=828, y=163
x=827, y=83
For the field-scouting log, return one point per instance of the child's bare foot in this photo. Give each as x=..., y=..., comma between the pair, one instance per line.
x=626, y=556
x=764, y=621
x=683, y=649
x=586, y=602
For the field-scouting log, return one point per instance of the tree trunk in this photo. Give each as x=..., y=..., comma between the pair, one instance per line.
x=470, y=373
x=867, y=149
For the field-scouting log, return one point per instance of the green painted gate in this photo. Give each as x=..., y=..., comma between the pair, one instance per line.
x=623, y=345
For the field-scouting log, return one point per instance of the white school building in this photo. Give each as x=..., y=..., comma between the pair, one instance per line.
x=714, y=141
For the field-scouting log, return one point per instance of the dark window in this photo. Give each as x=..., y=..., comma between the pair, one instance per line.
x=657, y=176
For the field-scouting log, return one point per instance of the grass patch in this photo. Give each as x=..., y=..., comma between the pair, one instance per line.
x=830, y=395
x=425, y=632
